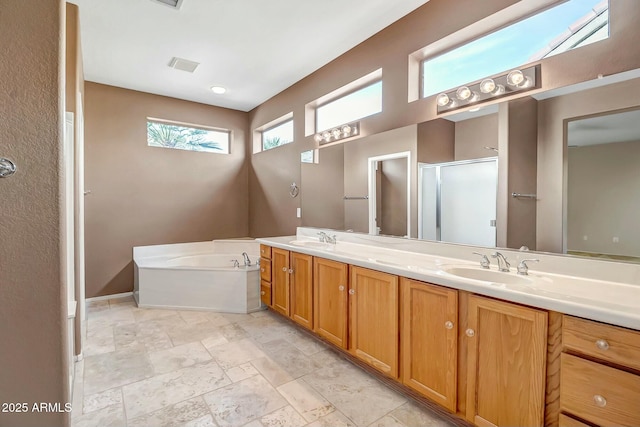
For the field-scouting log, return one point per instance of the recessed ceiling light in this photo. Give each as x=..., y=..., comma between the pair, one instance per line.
x=218, y=90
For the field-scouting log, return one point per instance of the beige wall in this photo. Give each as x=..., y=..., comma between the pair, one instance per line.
x=472, y=135
x=143, y=195
x=551, y=175
x=603, y=198
x=33, y=306
x=271, y=213
x=392, y=201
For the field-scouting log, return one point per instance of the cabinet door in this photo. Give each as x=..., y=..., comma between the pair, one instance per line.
x=373, y=319
x=330, y=284
x=302, y=289
x=280, y=280
x=430, y=340
x=507, y=346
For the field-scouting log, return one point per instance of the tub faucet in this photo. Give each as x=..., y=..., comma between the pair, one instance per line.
x=503, y=264
x=247, y=261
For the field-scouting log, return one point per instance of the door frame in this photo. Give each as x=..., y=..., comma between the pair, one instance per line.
x=372, y=163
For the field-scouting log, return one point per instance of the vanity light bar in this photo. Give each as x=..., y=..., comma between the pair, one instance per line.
x=337, y=133
x=514, y=81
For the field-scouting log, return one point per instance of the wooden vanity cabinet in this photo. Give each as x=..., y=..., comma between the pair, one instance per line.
x=331, y=283
x=429, y=338
x=374, y=319
x=599, y=380
x=265, y=275
x=292, y=285
x=506, y=363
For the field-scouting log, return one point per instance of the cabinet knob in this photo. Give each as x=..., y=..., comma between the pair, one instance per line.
x=290, y=271
x=262, y=250
x=352, y=291
x=284, y=268
x=600, y=401
x=470, y=332
x=341, y=288
x=262, y=269
x=448, y=324
x=602, y=344
x=263, y=293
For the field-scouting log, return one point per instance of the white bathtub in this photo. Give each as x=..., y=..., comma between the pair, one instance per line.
x=198, y=276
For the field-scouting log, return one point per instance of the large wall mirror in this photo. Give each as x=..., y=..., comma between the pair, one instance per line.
x=567, y=160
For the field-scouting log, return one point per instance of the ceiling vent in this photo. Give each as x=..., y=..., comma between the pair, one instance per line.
x=174, y=4
x=183, y=64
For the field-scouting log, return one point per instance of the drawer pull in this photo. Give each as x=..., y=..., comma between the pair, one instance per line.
x=600, y=401
x=470, y=332
x=352, y=291
x=341, y=288
x=263, y=293
x=290, y=271
x=602, y=344
x=284, y=268
x=448, y=324
x=262, y=269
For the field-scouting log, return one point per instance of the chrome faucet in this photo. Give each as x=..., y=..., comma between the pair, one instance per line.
x=236, y=263
x=325, y=238
x=484, y=262
x=523, y=268
x=503, y=264
x=247, y=261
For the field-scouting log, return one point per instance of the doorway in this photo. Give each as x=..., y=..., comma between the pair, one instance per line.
x=390, y=194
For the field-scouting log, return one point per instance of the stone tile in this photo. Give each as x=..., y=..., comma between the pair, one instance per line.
x=188, y=411
x=107, y=318
x=235, y=353
x=284, y=417
x=335, y=419
x=306, y=344
x=244, y=401
x=411, y=414
x=233, y=332
x=206, y=421
x=115, y=369
x=186, y=333
x=111, y=416
x=175, y=358
x=97, y=306
x=267, y=329
x=145, y=314
x=272, y=371
x=191, y=316
x=241, y=372
x=214, y=339
x=261, y=313
x=99, y=341
x=94, y=402
x=132, y=335
x=387, y=421
x=254, y=423
x=116, y=303
x=292, y=360
x=236, y=317
x=354, y=393
x=154, y=393
x=304, y=399
x=328, y=357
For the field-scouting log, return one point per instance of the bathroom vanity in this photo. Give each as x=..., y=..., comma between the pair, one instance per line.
x=557, y=346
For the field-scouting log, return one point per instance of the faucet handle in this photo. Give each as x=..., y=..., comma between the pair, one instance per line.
x=523, y=268
x=484, y=262
x=323, y=236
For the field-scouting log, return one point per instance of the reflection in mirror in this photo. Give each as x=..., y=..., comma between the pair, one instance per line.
x=603, y=189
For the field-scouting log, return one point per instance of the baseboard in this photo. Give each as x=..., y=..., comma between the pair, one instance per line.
x=112, y=296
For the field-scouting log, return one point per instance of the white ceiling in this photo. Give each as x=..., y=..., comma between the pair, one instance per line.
x=254, y=48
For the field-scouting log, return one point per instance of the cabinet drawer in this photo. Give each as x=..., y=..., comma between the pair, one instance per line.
x=265, y=292
x=265, y=251
x=606, y=342
x=598, y=393
x=265, y=269
x=566, y=421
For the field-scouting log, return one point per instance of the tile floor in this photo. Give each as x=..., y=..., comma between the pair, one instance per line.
x=151, y=368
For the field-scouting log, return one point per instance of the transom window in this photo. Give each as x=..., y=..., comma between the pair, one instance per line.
x=173, y=135
x=277, y=135
x=568, y=26
x=356, y=105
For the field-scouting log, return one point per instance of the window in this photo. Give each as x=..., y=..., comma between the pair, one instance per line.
x=568, y=26
x=277, y=135
x=172, y=135
x=307, y=156
x=356, y=105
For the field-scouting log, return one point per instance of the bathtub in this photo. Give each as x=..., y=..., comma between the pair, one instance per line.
x=198, y=276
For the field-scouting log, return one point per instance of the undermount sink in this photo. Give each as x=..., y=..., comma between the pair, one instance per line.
x=310, y=244
x=488, y=275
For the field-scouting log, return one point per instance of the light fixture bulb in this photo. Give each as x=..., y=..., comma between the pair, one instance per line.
x=326, y=136
x=346, y=130
x=515, y=78
x=336, y=133
x=443, y=99
x=487, y=86
x=317, y=137
x=219, y=90
x=463, y=93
